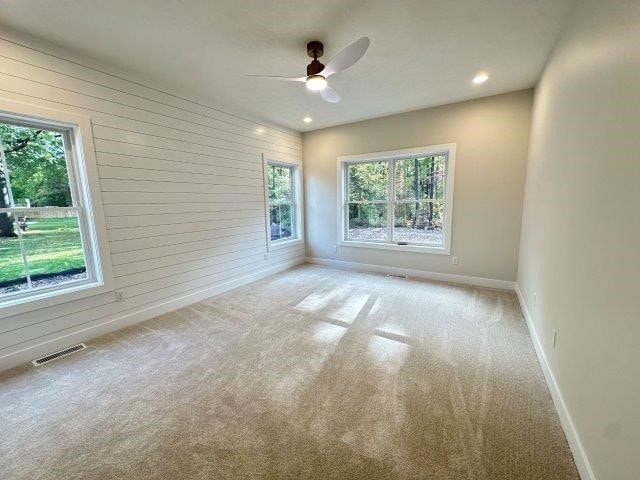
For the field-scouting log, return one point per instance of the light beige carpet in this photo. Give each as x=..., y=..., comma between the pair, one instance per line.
x=313, y=373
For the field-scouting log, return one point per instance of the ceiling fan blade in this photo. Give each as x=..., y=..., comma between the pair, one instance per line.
x=278, y=77
x=347, y=57
x=330, y=95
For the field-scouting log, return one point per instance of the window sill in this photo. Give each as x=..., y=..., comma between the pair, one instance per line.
x=395, y=246
x=275, y=245
x=50, y=297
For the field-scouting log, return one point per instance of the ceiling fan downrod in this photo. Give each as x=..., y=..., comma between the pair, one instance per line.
x=315, y=49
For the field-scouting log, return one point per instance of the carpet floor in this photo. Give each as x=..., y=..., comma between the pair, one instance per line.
x=313, y=373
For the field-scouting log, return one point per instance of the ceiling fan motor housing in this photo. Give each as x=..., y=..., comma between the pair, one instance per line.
x=315, y=49
x=314, y=68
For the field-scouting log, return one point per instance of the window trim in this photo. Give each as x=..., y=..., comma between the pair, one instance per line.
x=448, y=149
x=297, y=204
x=85, y=188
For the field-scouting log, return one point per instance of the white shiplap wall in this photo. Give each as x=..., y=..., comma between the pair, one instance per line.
x=182, y=187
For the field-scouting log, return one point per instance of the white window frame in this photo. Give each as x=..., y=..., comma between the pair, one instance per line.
x=87, y=201
x=296, y=193
x=448, y=150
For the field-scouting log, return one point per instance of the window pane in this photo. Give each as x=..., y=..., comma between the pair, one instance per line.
x=281, y=221
x=53, y=248
x=420, y=178
x=12, y=273
x=367, y=181
x=279, y=182
x=367, y=221
x=37, y=166
x=419, y=222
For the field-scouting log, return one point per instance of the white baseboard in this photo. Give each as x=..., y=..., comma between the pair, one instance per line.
x=579, y=455
x=442, y=277
x=121, y=320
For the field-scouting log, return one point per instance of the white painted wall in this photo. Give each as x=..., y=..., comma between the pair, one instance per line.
x=579, y=253
x=492, y=140
x=183, y=197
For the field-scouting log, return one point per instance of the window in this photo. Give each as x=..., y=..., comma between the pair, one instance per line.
x=400, y=200
x=282, y=186
x=48, y=240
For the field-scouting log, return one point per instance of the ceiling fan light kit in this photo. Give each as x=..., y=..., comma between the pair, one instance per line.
x=316, y=82
x=317, y=73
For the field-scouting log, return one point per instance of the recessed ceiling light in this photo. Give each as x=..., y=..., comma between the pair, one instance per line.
x=307, y=119
x=480, y=78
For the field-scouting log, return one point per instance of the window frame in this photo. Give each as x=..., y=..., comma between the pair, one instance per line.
x=448, y=150
x=296, y=197
x=87, y=202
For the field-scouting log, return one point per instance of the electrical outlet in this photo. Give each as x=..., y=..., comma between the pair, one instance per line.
x=555, y=337
x=335, y=249
x=265, y=256
x=119, y=295
x=534, y=300
x=454, y=260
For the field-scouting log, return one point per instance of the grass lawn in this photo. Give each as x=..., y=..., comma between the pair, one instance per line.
x=52, y=245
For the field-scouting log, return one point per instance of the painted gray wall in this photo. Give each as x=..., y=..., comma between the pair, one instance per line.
x=579, y=253
x=492, y=140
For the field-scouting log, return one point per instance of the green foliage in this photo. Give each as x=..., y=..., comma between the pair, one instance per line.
x=367, y=215
x=420, y=178
x=368, y=181
x=281, y=212
x=419, y=193
x=281, y=221
x=421, y=215
x=37, y=165
x=279, y=181
x=52, y=245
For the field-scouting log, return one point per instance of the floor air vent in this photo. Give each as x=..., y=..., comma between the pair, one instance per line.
x=67, y=351
x=396, y=275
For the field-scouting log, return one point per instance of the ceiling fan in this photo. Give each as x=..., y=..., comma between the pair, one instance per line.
x=317, y=73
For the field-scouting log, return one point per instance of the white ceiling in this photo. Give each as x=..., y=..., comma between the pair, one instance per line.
x=423, y=52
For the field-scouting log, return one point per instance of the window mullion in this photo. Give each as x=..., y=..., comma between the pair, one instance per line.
x=390, y=199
